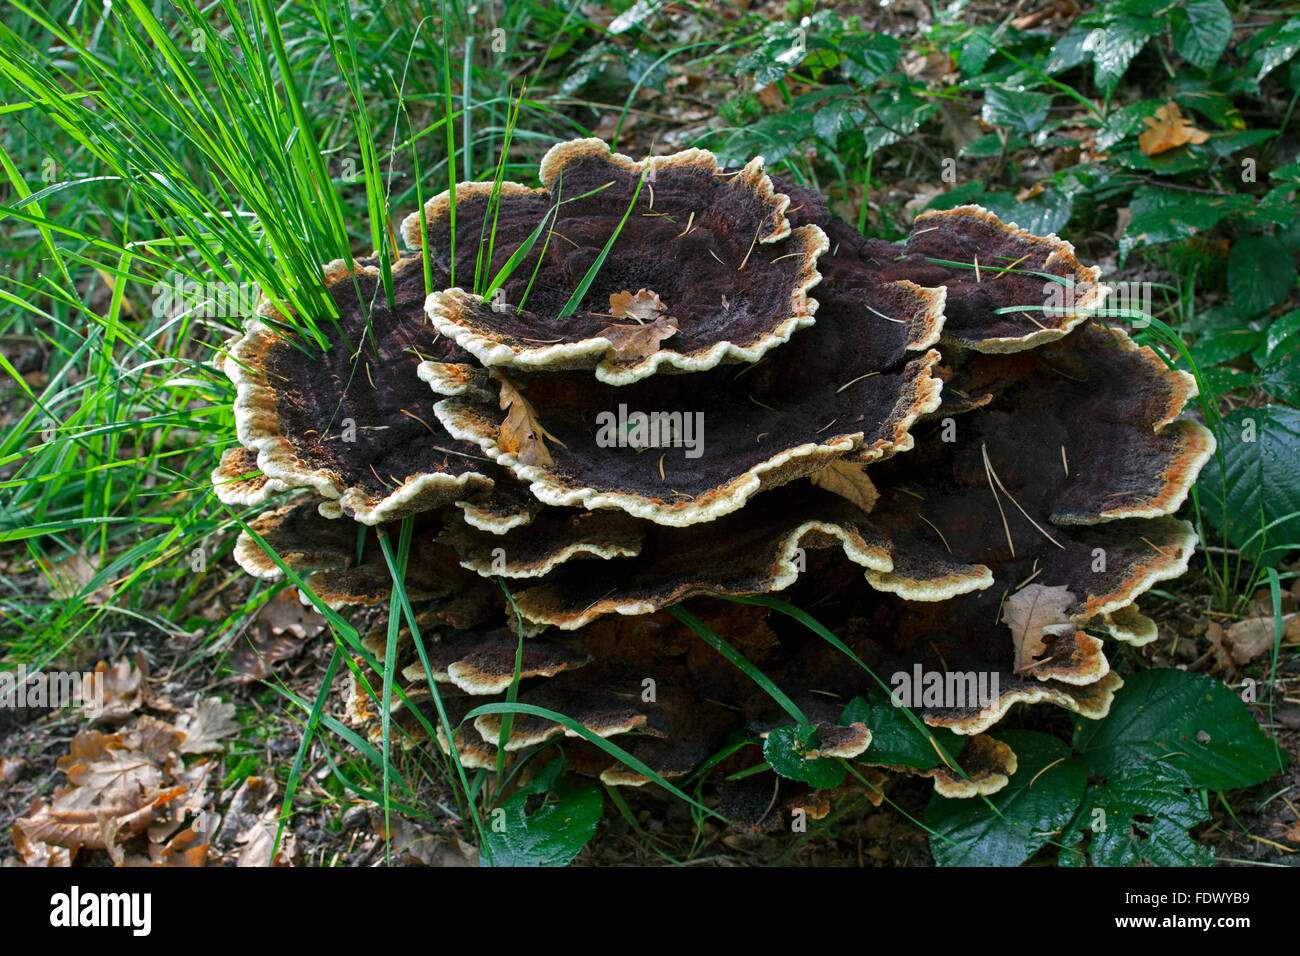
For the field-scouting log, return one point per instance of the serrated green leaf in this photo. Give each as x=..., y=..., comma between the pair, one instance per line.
x=990, y=145
x=1172, y=222
x=1202, y=31
x=1260, y=448
x=898, y=113
x=786, y=750
x=869, y=56
x=1070, y=50
x=1116, y=44
x=782, y=48
x=1024, y=111
x=975, y=51
x=1049, y=211
x=1283, y=44
x=1127, y=121
x=1041, y=798
x=1280, y=338
x=773, y=137
x=1138, y=817
x=1224, y=345
x=1212, y=102
x=553, y=834
x=1215, y=318
x=1225, y=144
x=1169, y=163
x=1261, y=272
x=1226, y=379
x=1289, y=174
x=836, y=118
x=1189, y=721
x=1282, y=379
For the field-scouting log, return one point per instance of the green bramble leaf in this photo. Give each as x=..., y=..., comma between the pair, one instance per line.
x=1261, y=273
x=552, y=834
x=787, y=751
x=1040, y=800
x=1202, y=29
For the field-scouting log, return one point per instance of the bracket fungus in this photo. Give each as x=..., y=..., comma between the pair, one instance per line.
x=344, y=422
x=699, y=382
x=711, y=249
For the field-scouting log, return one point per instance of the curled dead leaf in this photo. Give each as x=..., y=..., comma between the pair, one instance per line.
x=11, y=768
x=1034, y=613
x=1248, y=639
x=1169, y=129
x=206, y=725
x=39, y=853
x=70, y=578
x=632, y=343
x=251, y=823
x=125, y=688
x=187, y=848
x=521, y=433
x=645, y=306
x=850, y=482
x=114, y=817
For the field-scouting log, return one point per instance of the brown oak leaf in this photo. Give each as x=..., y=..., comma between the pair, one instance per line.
x=850, y=482
x=521, y=433
x=1169, y=129
x=645, y=306
x=1034, y=613
x=38, y=852
x=206, y=725
x=251, y=823
x=632, y=343
x=125, y=687
x=115, y=816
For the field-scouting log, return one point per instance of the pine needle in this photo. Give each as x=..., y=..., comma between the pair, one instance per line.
x=989, y=467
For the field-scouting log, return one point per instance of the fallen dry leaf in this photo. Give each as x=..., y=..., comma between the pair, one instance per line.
x=1261, y=603
x=120, y=786
x=205, y=725
x=187, y=848
x=632, y=343
x=116, y=816
x=154, y=738
x=251, y=823
x=1168, y=129
x=125, y=687
x=771, y=99
x=850, y=482
x=1250, y=638
x=1034, y=613
x=39, y=853
x=645, y=306
x=1215, y=635
x=1290, y=831
x=114, y=769
x=253, y=659
x=413, y=846
x=286, y=614
x=521, y=433
x=188, y=806
x=70, y=577
x=11, y=768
